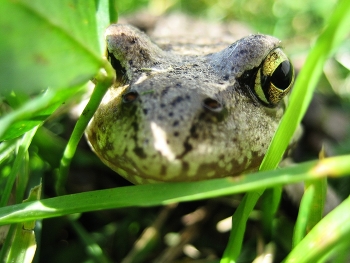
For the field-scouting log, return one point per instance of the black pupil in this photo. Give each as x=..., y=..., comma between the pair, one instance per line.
x=282, y=76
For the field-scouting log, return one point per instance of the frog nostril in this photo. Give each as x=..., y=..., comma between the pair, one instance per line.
x=212, y=104
x=130, y=96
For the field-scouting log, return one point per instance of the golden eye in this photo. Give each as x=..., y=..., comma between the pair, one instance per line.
x=275, y=78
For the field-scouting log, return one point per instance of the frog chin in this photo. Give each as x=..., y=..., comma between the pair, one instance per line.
x=176, y=171
x=145, y=153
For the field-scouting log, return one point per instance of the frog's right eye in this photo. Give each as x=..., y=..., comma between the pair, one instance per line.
x=274, y=79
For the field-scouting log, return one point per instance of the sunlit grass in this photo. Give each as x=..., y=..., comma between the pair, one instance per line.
x=29, y=114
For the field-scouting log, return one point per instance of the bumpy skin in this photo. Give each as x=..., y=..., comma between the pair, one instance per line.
x=182, y=118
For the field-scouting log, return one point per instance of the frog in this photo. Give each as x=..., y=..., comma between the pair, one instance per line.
x=180, y=112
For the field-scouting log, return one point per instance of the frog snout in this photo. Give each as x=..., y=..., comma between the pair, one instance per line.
x=173, y=109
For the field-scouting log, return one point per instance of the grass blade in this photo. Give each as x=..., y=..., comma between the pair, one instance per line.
x=332, y=37
x=167, y=193
x=27, y=139
x=104, y=82
x=239, y=222
x=333, y=228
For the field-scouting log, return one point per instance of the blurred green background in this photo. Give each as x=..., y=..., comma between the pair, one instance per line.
x=297, y=23
x=282, y=18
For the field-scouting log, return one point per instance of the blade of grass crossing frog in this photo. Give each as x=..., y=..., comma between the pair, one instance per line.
x=168, y=193
x=305, y=84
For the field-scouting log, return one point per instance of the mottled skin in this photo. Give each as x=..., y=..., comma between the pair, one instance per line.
x=171, y=117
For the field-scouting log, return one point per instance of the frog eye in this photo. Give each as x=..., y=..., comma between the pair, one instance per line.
x=274, y=79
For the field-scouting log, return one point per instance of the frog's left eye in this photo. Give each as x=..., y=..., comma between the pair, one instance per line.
x=274, y=79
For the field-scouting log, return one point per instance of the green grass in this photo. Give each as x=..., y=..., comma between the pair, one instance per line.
x=65, y=51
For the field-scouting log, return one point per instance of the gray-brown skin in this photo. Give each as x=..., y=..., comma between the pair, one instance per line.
x=171, y=117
